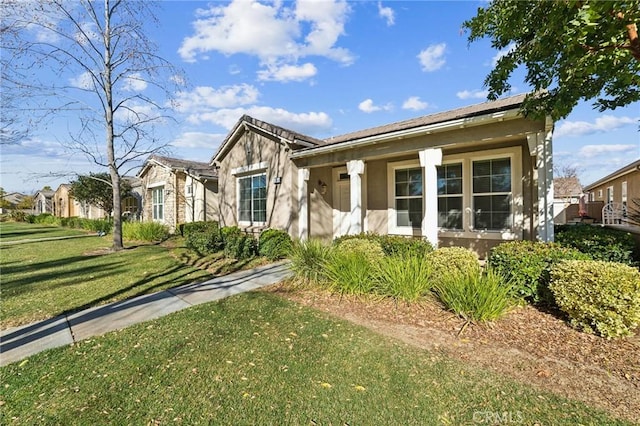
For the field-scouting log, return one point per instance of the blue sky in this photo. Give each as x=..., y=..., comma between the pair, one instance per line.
x=322, y=68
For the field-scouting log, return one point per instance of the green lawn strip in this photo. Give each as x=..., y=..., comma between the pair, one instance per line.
x=15, y=231
x=259, y=359
x=44, y=279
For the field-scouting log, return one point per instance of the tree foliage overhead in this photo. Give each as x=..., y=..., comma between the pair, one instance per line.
x=96, y=189
x=572, y=50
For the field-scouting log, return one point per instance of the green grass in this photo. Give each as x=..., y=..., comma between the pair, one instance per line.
x=13, y=231
x=259, y=359
x=43, y=279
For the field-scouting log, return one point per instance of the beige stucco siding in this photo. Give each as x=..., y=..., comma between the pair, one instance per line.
x=253, y=154
x=633, y=188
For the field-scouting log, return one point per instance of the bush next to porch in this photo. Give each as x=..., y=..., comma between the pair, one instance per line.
x=404, y=276
x=392, y=244
x=600, y=243
x=237, y=244
x=202, y=237
x=274, y=244
x=308, y=259
x=452, y=261
x=144, y=231
x=527, y=265
x=598, y=296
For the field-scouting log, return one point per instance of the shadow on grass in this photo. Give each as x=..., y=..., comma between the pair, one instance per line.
x=22, y=268
x=29, y=231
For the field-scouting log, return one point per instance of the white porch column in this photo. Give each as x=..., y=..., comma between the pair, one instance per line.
x=355, y=168
x=544, y=165
x=303, y=204
x=429, y=159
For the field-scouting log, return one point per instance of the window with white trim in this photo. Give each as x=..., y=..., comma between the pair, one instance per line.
x=450, y=196
x=408, y=197
x=157, y=203
x=188, y=189
x=609, y=194
x=252, y=198
x=491, y=187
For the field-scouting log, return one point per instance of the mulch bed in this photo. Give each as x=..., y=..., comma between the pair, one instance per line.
x=532, y=346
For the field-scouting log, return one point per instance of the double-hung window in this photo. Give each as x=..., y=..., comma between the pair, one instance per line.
x=492, y=194
x=408, y=197
x=450, y=196
x=157, y=202
x=252, y=198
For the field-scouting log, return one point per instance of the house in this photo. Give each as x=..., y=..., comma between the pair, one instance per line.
x=175, y=191
x=43, y=201
x=471, y=177
x=64, y=205
x=616, y=191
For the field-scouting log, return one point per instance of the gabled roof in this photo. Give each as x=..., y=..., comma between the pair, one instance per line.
x=47, y=193
x=195, y=168
x=635, y=165
x=271, y=130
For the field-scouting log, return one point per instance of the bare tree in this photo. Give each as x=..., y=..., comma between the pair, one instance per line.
x=120, y=88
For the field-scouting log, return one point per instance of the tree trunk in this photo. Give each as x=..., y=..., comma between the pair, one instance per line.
x=113, y=169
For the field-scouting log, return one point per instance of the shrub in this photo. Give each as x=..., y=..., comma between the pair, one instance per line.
x=368, y=248
x=203, y=237
x=475, y=296
x=238, y=245
x=392, y=244
x=350, y=272
x=18, y=216
x=274, y=244
x=99, y=225
x=600, y=243
x=405, y=277
x=452, y=261
x=144, y=231
x=598, y=296
x=308, y=259
x=527, y=265
x=47, y=219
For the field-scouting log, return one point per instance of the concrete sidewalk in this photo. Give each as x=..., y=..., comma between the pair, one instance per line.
x=21, y=342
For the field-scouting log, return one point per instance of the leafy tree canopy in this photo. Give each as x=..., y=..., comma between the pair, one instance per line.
x=96, y=189
x=572, y=50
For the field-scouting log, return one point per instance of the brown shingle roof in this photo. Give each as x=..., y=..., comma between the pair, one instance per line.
x=464, y=112
x=196, y=168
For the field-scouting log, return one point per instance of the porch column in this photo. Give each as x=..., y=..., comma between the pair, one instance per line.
x=303, y=204
x=429, y=159
x=544, y=166
x=355, y=168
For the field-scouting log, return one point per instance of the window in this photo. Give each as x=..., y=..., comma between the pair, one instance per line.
x=610, y=194
x=492, y=194
x=188, y=190
x=129, y=204
x=450, y=196
x=408, y=197
x=599, y=193
x=252, y=198
x=157, y=203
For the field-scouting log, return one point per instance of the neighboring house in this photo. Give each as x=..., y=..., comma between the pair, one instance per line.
x=567, y=192
x=132, y=203
x=616, y=191
x=64, y=205
x=175, y=191
x=470, y=177
x=43, y=201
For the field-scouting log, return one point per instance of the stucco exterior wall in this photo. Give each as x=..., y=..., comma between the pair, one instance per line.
x=251, y=154
x=633, y=188
x=64, y=204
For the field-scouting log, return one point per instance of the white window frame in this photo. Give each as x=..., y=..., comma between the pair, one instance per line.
x=157, y=208
x=610, y=194
x=252, y=211
x=461, y=195
x=391, y=197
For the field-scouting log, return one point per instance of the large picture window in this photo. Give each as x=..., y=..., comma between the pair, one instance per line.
x=450, y=196
x=408, y=197
x=492, y=194
x=252, y=198
x=157, y=202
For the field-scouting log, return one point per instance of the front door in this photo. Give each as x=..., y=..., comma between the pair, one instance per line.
x=341, y=202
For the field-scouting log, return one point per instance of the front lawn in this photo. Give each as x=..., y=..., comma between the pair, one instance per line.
x=13, y=231
x=259, y=359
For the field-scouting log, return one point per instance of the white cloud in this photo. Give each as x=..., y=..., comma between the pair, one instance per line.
x=198, y=140
x=605, y=123
x=473, y=94
x=386, y=13
x=275, y=32
x=590, y=151
x=135, y=83
x=431, y=58
x=309, y=123
x=502, y=53
x=368, y=106
x=288, y=72
x=178, y=79
x=204, y=98
x=414, y=103
x=84, y=81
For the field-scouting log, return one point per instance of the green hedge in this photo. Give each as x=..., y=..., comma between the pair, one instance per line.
x=144, y=231
x=455, y=261
x=274, y=244
x=598, y=296
x=600, y=243
x=527, y=265
x=238, y=245
x=202, y=237
x=392, y=244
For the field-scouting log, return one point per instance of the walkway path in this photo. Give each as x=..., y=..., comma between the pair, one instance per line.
x=21, y=342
